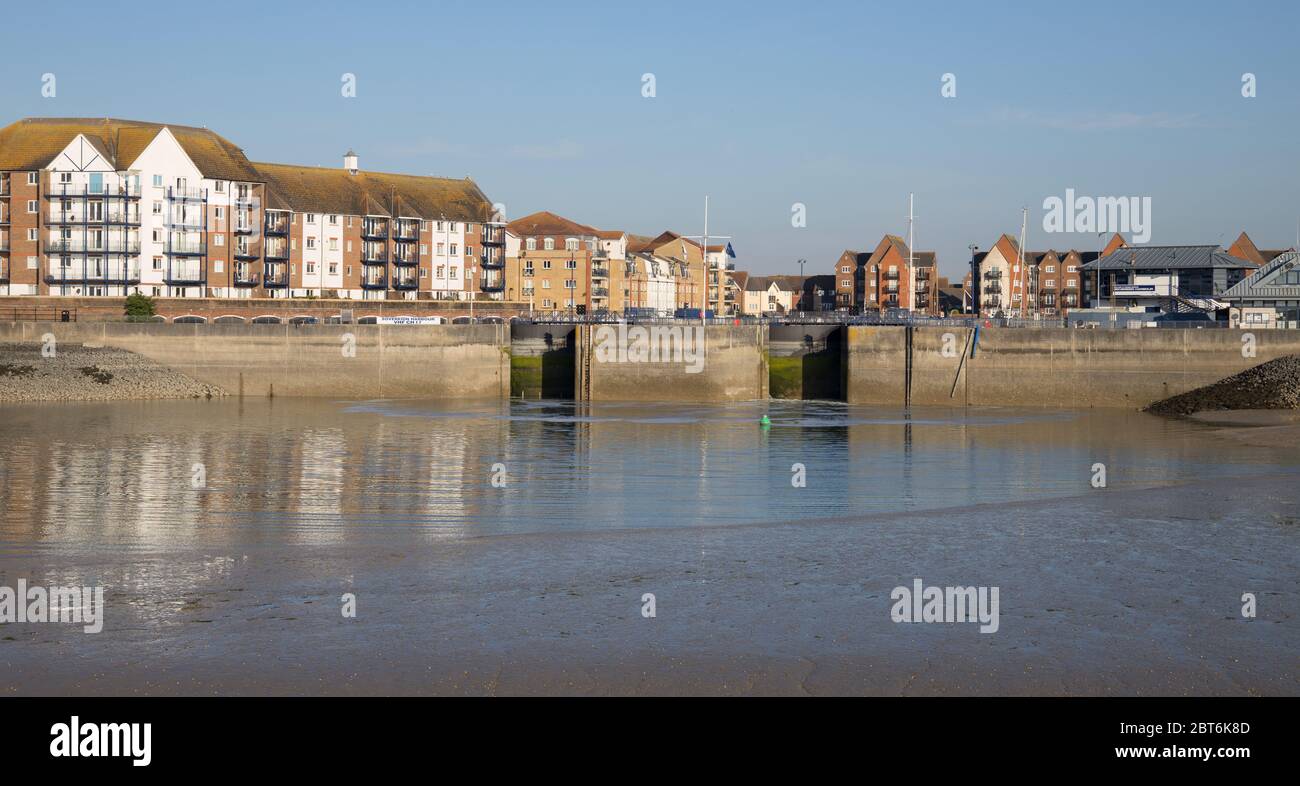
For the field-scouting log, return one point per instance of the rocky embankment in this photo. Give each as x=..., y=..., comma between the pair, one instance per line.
x=1271, y=385
x=79, y=373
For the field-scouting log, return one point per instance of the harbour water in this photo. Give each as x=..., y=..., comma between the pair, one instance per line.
x=506, y=547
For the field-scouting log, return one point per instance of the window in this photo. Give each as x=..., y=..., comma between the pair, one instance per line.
x=157, y=181
x=570, y=284
x=846, y=269
x=157, y=263
x=311, y=218
x=572, y=264
x=311, y=267
x=531, y=244
x=65, y=177
x=1049, y=283
x=31, y=263
x=311, y=242
x=221, y=189
x=546, y=283
x=451, y=227
x=334, y=268
x=451, y=272
x=424, y=272
x=334, y=221
x=334, y=244
x=31, y=236
x=32, y=178
x=219, y=213
x=571, y=244
x=1049, y=268
x=348, y=270
x=546, y=264
x=442, y=271
x=218, y=266
x=441, y=249
x=218, y=240
x=549, y=244
x=1072, y=269
x=469, y=251
x=31, y=206
x=453, y=249
x=424, y=249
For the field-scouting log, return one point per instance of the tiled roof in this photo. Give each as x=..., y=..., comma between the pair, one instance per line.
x=1255, y=286
x=547, y=223
x=329, y=190
x=1167, y=258
x=32, y=143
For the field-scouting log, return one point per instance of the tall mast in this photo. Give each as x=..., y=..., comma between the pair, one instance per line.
x=911, y=257
x=1024, y=272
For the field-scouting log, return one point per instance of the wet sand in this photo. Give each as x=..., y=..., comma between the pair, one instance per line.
x=1132, y=592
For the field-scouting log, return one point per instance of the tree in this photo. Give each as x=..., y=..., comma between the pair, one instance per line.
x=139, y=307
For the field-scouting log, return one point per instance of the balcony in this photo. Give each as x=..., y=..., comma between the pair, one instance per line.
x=276, y=276
x=891, y=275
x=246, y=254
x=245, y=277
x=374, y=229
x=83, y=190
x=186, y=249
x=599, y=271
x=406, y=255
x=4, y=186
x=77, y=217
x=184, y=274
x=492, y=261
x=603, y=292
x=244, y=228
x=494, y=234
x=994, y=274
x=374, y=256
x=187, y=194
x=93, y=274
x=374, y=282
x=407, y=231
x=113, y=246
x=406, y=283
x=992, y=289
x=492, y=281
x=276, y=224
x=277, y=251
x=4, y=271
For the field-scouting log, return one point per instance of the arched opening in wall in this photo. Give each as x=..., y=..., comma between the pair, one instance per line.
x=303, y=320
x=370, y=320
x=492, y=320
x=228, y=319
x=266, y=320
x=189, y=319
x=463, y=321
x=157, y=318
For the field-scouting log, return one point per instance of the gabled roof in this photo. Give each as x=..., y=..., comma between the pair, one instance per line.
x=309, y=189
x=1244, y=248
x=33, y=142
x=545, y=222
x=1167, y=258
x=741, y=278
x=1263, y=284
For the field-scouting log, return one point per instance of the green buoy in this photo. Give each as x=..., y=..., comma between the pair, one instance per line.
x=764, y=421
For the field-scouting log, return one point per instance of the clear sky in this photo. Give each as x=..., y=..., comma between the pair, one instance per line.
x=835, y=105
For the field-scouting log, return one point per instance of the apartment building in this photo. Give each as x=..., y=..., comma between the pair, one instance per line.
x=1014, y=283
x=108, y=207
x=890, y=277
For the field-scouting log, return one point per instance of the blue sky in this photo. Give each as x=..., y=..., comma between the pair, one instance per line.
x=834, y=105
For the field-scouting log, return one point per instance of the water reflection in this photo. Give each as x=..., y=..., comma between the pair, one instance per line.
x=319, y=472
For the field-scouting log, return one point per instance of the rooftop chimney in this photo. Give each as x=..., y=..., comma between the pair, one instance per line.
x=350, y=162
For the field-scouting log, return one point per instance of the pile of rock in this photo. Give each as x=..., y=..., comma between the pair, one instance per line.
x=1271, y=385
x=76, y=373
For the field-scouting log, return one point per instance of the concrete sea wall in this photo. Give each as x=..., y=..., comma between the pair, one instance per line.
x=733, y=367
x=1049, y=367
x=347, y=361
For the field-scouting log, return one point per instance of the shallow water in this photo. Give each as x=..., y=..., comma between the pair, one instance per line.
x=234, y=584
x=320, y=471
